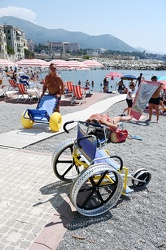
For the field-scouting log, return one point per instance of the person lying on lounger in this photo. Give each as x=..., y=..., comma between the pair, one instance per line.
x=108, y=121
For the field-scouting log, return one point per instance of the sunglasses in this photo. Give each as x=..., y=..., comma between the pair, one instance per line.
x=52, y=68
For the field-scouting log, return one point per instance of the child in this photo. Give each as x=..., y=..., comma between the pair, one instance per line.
x=129, y=99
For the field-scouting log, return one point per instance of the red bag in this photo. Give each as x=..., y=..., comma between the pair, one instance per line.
x=118, y=135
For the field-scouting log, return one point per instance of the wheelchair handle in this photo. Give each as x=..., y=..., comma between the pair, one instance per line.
x=65, y=124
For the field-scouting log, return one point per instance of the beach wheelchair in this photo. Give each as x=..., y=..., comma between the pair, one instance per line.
x=44, y=113
x=98, y=179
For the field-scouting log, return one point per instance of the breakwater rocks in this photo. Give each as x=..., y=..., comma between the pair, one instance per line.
x=134, y=64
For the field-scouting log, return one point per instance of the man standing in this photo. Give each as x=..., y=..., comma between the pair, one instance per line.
x=154, y=101
x=54, y=84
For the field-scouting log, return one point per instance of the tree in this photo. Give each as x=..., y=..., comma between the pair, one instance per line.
x=29, y=54
x=10, y=51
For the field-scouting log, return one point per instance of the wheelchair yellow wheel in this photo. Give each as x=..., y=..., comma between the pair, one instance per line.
x=55, y=122
x=25, y=121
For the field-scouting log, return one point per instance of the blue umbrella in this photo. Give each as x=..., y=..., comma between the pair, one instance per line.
x=129, y=77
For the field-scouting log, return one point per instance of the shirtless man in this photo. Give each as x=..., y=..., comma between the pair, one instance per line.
x=154, y=101
x=54, y=84
x=106, y=120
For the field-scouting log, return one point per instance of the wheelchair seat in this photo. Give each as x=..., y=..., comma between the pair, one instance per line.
x=90, y=147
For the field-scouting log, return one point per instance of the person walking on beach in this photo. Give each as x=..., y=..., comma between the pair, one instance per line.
x=129, y=99
x=154, y=101
x=54, y=84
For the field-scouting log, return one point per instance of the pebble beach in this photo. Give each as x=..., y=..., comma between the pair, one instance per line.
x=138, y=221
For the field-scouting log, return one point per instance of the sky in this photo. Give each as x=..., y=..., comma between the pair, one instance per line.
x=139, y=23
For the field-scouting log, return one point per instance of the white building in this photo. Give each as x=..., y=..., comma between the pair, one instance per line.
x=3, y=45
x=15, y=38
x=62, y=47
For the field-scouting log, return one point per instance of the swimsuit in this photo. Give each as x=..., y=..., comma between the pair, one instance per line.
x=155, y=101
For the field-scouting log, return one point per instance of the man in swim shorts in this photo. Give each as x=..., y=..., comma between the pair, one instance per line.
x=154, y=101
x=108, y=121
x=54, y=84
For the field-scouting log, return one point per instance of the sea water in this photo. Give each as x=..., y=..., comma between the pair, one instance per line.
x=98, y=75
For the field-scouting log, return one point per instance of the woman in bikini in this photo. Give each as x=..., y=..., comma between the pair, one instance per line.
x=106, y=120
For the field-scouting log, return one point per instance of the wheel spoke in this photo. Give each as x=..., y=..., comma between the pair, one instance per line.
x=64, y=166
x=67, y=170
x=95, y=191
x=64, y=161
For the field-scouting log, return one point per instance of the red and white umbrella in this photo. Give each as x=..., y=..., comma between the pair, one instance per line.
x=93, y=63
x=60, y=63
x=33, y=63
x=76, y=65
x=4, y=62
x=73, y=64
x=114, y=74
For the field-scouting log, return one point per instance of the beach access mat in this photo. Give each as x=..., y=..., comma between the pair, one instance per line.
x=22, y=138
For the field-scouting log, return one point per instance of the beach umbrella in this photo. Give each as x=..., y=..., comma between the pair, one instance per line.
x=93, y=64
x=60, y=63
x=114, y=74
x=33, y=63
x=4, y=62
x=77, y=65
x=129, y=77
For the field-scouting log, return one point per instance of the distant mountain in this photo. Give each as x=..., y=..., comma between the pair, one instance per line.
x=41, y=35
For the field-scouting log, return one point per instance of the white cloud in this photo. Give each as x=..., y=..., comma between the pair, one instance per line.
x=22, y=13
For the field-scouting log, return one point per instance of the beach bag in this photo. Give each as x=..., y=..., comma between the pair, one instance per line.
x=118, y=135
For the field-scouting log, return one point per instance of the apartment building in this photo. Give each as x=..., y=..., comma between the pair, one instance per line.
x=3, y=44
x=15, y=38
x=63, y=47
x=30, y=45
